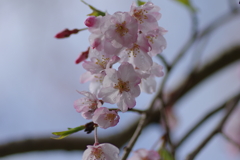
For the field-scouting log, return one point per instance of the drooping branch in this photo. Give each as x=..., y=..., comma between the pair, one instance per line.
x=231, y=106
x=43, y=144
x=198, y=124
x=195, y=77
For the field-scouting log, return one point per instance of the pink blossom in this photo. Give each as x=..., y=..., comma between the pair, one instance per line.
x=100, y=62
x=122, y=29
x=137, y=54
x=104, y=151
x=147, y=16
x=143, y=154
x=87, y=105
x=105, y=118
x=148, y=83
x=156, y=40
x=121, y=87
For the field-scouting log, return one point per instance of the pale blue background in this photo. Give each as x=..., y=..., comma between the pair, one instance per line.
x=39, y=78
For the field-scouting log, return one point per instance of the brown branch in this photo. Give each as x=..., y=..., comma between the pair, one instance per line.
x=195, y=77
x=231, y=106
x=198, y=124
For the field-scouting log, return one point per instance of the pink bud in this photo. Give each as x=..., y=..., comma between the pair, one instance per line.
x=66, y=33
x=90, y=21
x=83, y=56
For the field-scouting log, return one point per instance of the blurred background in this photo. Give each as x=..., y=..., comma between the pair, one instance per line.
x=39, y=78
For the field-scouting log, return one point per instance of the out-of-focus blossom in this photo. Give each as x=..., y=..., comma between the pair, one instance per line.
x=148, y=83
x=104, y=151
x=232, y=130
x=105, y=118
x=143, y=154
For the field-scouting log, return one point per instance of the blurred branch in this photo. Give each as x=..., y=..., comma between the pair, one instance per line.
x=191, y=40
x=230, y=106
x=206, y=31
x=195, y=77
x=198, y=124
x=135, y=136
x=168, y=67
x=43, y=144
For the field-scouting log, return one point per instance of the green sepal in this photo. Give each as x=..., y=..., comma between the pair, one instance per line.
x=188, y=4
x=95, y=12
x=165, y=154
x=64, y=134
x=139, y=3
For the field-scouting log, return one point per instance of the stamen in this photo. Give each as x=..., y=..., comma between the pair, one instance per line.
x=122, y=86
x=140, y=15
x=121, y=29
x=110, y=117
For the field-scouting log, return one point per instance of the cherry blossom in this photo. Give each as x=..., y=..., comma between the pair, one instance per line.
x=156, y=40
x=105, y=118
x=147, y=16
x=143, y=154
x=87, y=105
x=121, y=87
x=100, y=62
x=104, y=151
x=137, y=55
x=122, y=29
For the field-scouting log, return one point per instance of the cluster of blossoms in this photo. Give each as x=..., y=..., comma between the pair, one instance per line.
x=130, y=39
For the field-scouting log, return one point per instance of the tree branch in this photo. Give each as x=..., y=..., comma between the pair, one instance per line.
x=195, y=77
x=198, y=124
x=231, y=106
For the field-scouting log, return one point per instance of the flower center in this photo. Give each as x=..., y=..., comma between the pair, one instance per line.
x=134, y=50
x=102, y=62
x=151, y=38
x=140, y=15
x=121, y=29
x=110, y=117
x=97, y=153
x=122, y=86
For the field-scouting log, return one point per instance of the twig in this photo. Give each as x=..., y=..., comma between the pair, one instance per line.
x=232, y=104
x=135, y=136
x=195, y=77
x=168, y=67
x=231, y=140
x=191, y=40
x=198, y=124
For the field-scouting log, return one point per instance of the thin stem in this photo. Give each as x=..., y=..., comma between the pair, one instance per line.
x=135, y=136
x=191, y=40
x=231, y=140
x=198, y=124
x=231, y=106
x=95, y=137
x=168, y=67
x=129, y=110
